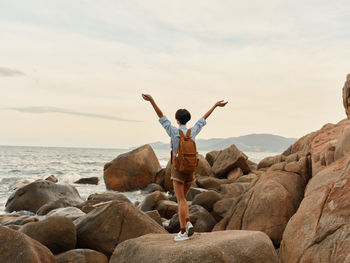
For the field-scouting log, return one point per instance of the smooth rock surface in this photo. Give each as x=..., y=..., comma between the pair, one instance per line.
x=81, y=256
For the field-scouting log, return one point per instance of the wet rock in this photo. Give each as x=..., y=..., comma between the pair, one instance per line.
x=200, y=218
x=34, y=195
x=132, y=170
x=107, y=226
x=225, y=247
x=18, y=247
x=88, y=180
x=52, y=178
x=81, y=256
x=57, y=233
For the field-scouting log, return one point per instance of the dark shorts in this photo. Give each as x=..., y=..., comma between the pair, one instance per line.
x=180, y=177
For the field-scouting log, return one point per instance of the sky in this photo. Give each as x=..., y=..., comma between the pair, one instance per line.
x=72, y=72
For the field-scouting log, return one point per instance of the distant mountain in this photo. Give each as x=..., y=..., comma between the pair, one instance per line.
x=246, y=143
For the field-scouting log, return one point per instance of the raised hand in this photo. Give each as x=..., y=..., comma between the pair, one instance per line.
x=147, y=97
x=221, y=103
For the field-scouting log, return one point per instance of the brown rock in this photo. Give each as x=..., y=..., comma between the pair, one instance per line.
x=109, y=196
x=166, y=208
x=342, y=147
x=18, y=247
x=271, y=160
x=211, y=156
x=52, y=178
x=70, y=212
x=19, y=184
x=200, y=218
x=60, y=203
x=277, y=166
x=228, y=159
x=34, y=195
x=88, y=180
x=105, y=227
x=152, y=188
x=225, y=247
x=151, y=200
x=319, y=230
x=57, y=233
x=15, y=219
x=211, y=183
x=132, y=170
x=207, y=199
x=222, y=207
x=81, y=256
x=267, y=206
x=235, y=174
x=193, y=191
x=346, y=96
x=160, y=177
x=154, y=214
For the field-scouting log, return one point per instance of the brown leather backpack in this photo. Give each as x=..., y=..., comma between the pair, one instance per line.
x=186, y=160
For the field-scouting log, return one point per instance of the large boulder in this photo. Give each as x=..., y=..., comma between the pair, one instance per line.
x=151, y=200
x=206, y=199
x=211, y=156
x=34, y=195
x=320, y=229
x=228, y=159
x=167, y=208
x=57, y=233
x=132, y=170
x=200, y=218
x=211, y=183
x=267, y=205
x=342, y=147
x=105, y=227
x=59, y=203
x=18, y=247
x=81, y=256
x=225, y=247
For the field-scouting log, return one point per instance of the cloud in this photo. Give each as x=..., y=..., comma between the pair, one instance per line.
x=38, y=110
x=8, y=72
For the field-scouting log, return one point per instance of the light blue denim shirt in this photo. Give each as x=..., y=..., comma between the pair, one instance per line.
x=173, y=132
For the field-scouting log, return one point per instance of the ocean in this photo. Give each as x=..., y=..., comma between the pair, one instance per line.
x=19, y=163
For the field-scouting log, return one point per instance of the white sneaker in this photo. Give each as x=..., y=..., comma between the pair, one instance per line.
x=189, y=229
x=181, y=237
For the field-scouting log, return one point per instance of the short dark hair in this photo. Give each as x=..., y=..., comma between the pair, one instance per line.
x=183, y=116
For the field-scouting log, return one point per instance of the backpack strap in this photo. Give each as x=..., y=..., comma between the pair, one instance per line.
x=188, y=134
x=181, y=133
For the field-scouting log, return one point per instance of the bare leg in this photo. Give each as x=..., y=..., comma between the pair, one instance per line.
x=186, y=188
x=182, y=203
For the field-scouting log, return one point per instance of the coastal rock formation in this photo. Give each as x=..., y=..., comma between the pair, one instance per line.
x=346, y=96
x=319, y=230
x=225, y=247
x=133, y=170
x=18, y=247
x=228, y=159
x=57, y=233
x=267, y=205
x=105, y=227
x=81, y=256
x=34, y=195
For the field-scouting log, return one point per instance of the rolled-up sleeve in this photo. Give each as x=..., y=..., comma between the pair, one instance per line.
x=198, y=127
x=166, y=125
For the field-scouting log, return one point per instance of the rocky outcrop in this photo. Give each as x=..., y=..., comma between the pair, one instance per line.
x=18, y=247
x=57, y=233
x=319, y=230
x=225, y=247
x=267, y=205
x=81, y=256
x=34, y=195
x=132, y=170
x=228, y=159
x=346, y=96
x=105, y=227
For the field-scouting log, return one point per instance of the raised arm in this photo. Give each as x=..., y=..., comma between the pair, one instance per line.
x=220, y=103
x=149, y=98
